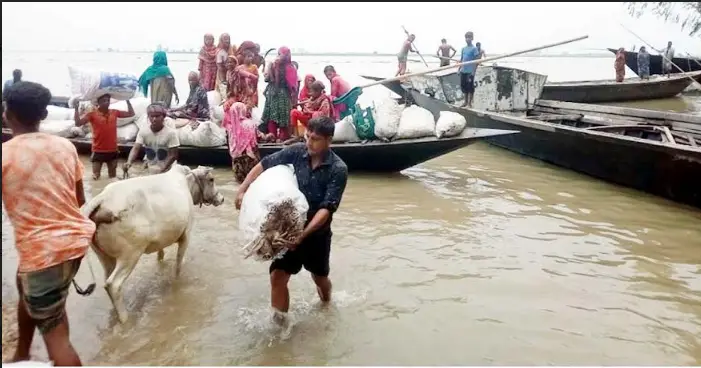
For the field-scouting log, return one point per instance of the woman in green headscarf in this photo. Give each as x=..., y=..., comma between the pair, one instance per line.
x=161, y=80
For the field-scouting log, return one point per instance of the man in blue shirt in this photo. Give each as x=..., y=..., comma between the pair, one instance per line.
x=16, y=78
x=467, y=72
x=322, y=177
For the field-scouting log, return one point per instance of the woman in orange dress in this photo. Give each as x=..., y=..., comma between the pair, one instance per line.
x=208, y=63
x=318, y=104
x=243, y=83
x=620, y=65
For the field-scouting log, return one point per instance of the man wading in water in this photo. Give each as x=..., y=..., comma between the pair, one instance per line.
x=322, y=177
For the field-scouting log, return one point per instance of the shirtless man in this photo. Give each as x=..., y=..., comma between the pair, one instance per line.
x=403, y=54
x=444, y=52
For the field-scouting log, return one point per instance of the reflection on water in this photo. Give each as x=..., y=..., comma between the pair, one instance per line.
x=521, y=262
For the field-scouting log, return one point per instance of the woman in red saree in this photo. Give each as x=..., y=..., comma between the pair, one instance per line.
x=243, y=83
x=620, y=65
x=304, y=91
x=339, y=87
x=243, y=145
x=318, y=104
x=208, y=63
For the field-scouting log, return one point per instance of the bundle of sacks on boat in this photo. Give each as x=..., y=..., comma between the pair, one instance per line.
x=88, y=86
x=388, y=120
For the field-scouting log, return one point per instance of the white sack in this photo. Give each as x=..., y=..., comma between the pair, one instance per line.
x=449, y=124
x=143, y=122
x=345, y=131
x=59, y=113
x=213, y=99
x=218, y=114
x=140, y=104
x=78, y=132
x=61, y=128
x=207, y=134
x=416, y=122
x=272, y=207
x=387, y=113
x=28, y=363
x=256, y=114
x=89, y=85
x=127, y=133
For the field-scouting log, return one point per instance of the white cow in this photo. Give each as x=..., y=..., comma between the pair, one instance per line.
x=145, y=215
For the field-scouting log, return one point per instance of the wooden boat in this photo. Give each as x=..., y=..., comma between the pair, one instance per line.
x=630, y=89
x=689, y=64
x=657, y=152
x=578, y=91
x=370, y=156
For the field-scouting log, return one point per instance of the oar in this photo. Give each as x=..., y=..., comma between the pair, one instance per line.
x=693, y=58
x=661, y=54
x=357, y=91
x=414, y=46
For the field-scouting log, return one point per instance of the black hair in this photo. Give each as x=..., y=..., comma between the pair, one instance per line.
x=329, y=68
x=317, y=86
x=469, y=33
x=16, y=75
x=321, y=125
x=103, y=96
x=444, y=40
x=27, y=102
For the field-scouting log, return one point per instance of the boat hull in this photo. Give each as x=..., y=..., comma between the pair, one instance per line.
x=686, y=64
x=363, y=157
x=660, y=169
x=610, y=91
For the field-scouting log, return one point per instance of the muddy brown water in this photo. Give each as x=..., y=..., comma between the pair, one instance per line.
x=480, y=257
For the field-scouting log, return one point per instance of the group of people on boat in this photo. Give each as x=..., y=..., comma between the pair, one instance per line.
x=234, y=73
x=445, y=52
x=619, y=64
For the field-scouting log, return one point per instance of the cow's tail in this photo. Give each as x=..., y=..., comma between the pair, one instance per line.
x=99, y=215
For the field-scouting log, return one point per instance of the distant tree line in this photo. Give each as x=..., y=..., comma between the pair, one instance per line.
x=685, y=13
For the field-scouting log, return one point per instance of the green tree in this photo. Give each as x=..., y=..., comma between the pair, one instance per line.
x=685, y=13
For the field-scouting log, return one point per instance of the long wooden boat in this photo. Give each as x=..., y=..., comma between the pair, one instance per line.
x=656, y=152
x=689, y=64
x=369, y=157
x=630, y=89
x=578, y=91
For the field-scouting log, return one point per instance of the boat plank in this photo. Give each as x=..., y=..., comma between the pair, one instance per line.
x=622, y=111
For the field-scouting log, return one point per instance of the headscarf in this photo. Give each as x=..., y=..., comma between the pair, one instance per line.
x=231, y=50
x=158, y=69
x=304, y=92
x=231, y=64
x=243, y=47
x=208, y=53
x=283, y=68
x=620, y=62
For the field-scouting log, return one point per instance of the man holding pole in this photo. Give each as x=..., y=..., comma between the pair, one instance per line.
x=444, y=52
x=467, y=72
x=404, y=55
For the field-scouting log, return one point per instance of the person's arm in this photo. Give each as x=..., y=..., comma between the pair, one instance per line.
x=332, y=199
x=454, y=51
x=438, y=52
x=80, y=121
x=173, y=144
x=203, y=107
x=126, y=114
x=79, y=190
x=285, y=156
x=134, y=150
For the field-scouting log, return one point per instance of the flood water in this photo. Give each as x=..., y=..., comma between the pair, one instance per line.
x=479, y=257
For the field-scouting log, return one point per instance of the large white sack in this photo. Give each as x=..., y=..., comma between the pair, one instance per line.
x=449, y=124
x=256, y=114
x=344, y=131
x=213, y=99
x=88, y=85
x=387, y=113
x=207, y=134
x=28, y=363
x=273, y=207
x=140, y=104
x=61, y=128
x=59, y=113
x=127, y=133
x=416, y=122
x=144, y=123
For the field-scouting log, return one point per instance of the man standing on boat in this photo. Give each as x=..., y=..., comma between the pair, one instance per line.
x=322, y=178
x=467, y=72
x=16, y=78
x=404, y=55
x=444, y=52
x=668, y=55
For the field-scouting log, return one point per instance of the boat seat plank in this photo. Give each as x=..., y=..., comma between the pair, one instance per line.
x=627, y=112
x=551, y=117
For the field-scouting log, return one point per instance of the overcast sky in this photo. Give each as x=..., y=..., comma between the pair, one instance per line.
x=336, y=27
